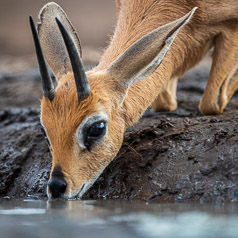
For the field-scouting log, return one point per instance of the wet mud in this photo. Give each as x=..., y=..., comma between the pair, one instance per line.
x=170, y=156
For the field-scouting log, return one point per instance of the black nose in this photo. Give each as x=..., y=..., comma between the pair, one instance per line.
x=57, y=187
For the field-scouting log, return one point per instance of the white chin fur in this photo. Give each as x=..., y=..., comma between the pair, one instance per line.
x=82, y=190
x=78, y=195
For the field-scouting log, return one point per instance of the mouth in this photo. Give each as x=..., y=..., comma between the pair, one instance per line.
x=69, y=196
x=78, y=195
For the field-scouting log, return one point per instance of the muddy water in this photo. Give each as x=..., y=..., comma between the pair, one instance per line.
x=39, y=218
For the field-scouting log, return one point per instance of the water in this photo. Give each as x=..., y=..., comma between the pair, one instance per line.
x=124, y=219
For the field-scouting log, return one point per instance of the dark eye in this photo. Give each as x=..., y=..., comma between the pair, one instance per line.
x=94, y=132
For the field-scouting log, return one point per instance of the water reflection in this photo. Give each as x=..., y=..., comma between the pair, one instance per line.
x=35, y=218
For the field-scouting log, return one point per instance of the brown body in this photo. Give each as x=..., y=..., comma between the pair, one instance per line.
x=154, y=43
x=215, y=24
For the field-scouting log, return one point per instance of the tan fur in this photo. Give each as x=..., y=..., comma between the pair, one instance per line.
x=62, y=117
x=214, y=24
x=122, y=96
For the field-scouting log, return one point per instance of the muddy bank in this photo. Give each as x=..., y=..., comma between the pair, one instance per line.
x=176, y=156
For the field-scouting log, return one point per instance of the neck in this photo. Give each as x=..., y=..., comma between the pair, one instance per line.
x=142, y=94
x=133, y=23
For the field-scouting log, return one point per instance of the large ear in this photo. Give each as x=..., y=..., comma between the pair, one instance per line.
x=51, y=39
x=141, y=59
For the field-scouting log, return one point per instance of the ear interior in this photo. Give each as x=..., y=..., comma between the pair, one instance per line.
x=51, y=38
x=141, y=59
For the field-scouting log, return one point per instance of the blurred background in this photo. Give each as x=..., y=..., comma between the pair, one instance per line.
x=93, y=19
x=20, y=83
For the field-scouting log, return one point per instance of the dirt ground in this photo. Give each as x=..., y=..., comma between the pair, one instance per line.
x=174, y=156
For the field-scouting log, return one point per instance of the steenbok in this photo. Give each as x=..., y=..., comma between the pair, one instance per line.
x=154, y=43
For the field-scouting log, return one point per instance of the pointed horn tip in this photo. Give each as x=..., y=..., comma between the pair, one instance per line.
x=33, y=27
x=31, y=21
x=61, y=27
x=57, y=20
x=59, y=23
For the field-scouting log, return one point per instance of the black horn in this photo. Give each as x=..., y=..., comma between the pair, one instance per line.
x=47, y=84
x=82, y=85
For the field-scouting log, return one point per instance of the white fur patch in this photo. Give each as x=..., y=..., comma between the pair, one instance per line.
x=84, y=188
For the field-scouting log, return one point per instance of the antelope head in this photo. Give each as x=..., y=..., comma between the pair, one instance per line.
x=84, y=116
